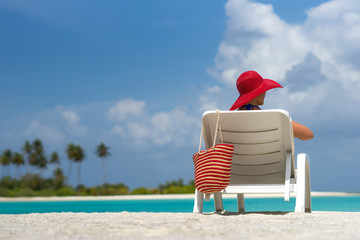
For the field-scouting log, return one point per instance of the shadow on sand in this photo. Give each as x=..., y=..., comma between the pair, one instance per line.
x=228, y=213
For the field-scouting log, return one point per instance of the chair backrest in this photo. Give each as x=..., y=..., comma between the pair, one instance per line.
x=261, y=140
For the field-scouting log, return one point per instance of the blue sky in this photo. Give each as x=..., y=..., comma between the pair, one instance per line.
x=137, y=75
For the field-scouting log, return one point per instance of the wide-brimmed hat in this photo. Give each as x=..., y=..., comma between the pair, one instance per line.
x=250, y=84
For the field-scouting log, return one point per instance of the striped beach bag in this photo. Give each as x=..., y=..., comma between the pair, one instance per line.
x=213, y=165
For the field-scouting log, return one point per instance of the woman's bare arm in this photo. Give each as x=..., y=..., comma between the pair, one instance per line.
x=302, y=132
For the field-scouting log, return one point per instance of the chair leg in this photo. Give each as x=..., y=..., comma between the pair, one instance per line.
x=218, y=201
x=303, y=187
x=307, y=189
x=241, y=203
x=198, y=202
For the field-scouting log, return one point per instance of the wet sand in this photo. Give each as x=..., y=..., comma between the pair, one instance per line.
x=158, y=196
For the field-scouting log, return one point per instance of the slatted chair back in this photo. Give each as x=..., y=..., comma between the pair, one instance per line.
x=260, y=147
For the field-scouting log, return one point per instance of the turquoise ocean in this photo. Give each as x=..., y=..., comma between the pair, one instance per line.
x=334, y=203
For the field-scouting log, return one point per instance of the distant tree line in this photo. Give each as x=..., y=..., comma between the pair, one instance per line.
x=32, y=185
x=36, y=161
x=34, y=158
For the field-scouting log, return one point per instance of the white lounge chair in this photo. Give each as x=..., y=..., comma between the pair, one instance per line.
x=263, y=160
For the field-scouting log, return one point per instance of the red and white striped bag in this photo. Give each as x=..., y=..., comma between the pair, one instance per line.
x=213, y=165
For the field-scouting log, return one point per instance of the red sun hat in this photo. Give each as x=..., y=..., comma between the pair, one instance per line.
x=250, y=85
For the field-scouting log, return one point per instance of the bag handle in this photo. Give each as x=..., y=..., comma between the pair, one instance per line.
x=218, y=127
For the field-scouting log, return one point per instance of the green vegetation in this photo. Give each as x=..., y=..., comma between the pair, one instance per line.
x=32, y=183
x=171, y=187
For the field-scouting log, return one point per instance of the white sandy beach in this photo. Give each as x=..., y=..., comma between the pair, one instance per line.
x=145, y=225
x=125, y=225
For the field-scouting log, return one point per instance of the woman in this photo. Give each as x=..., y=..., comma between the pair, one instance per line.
x=252, y=88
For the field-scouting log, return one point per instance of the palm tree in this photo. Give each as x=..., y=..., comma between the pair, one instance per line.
x=37, y=156
x=42, y=164
x=18, y=160
x=75, y=153
x=58, y=178
x=3, y=164
x=34, y=151
x=54, y=158
x=37, y=146
x=33, y=160
x=70, y=151
x=6, y=160
x=79, y=156
x=27, y=150
x=103, y=152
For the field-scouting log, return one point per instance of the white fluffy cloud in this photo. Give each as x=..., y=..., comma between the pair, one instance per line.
x=44, y=132
x=256, y=38
x=55, y=126
x=134, y=122
x=333, y=30
x=210, y=98
x=318, y=61
x=72, y=122
x=125, y=109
